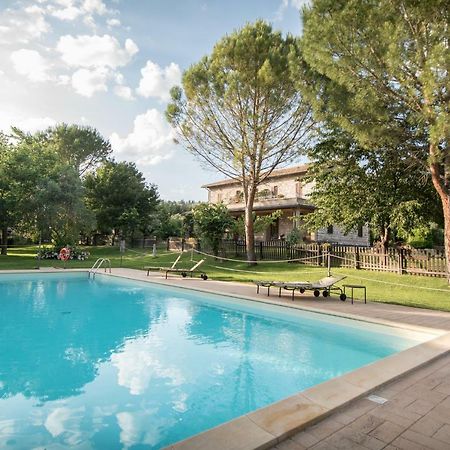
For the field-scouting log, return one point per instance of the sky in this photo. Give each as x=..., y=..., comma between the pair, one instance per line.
x=111, y=63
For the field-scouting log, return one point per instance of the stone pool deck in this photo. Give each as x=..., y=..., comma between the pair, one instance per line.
x=337, y=414
x=415, y=416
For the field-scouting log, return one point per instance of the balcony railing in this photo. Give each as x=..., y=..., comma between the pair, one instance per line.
x=258, y=198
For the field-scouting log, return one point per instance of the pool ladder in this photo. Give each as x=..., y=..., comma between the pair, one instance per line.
x=97, y=265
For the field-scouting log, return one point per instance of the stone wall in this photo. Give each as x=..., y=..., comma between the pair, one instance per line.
x=280, y=187
x=339, y=237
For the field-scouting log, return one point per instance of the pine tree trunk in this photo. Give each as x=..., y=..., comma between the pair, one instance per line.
x=4, y=250
x=445, y=199
x=249, y=229
x=444, y=193
x=446, y=206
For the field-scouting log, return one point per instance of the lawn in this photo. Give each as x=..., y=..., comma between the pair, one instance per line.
x=423, y=292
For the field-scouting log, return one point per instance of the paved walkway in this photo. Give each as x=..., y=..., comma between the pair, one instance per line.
x=416, y=416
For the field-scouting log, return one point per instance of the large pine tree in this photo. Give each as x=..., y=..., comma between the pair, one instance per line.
x=381, y=72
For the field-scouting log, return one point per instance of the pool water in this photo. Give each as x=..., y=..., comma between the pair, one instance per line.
x=111, y=363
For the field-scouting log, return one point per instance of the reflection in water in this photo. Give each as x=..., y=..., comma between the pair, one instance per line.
x=113, y=364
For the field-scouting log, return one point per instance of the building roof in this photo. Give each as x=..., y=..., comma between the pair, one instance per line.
x=300, y=169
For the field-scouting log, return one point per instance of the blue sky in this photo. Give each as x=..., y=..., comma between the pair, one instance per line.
x=110, y=64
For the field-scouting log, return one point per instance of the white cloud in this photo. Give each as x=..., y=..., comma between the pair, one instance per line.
x=95, y=51
x=157, y=81
x=94, y=7
x=64, y=80
x=150, y=142
x=87, y=82
x=124, y=92
x=30, y=64
x=70, y=10
x=69, y=13
x=28, y=124
x=285, y=4
x=113, y=22
x=22, y=25
x=121, y=90
x=33, y=124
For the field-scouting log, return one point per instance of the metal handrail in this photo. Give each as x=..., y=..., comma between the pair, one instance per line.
x=97, y=265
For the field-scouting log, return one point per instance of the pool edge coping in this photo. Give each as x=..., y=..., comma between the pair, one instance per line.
x=272, y=424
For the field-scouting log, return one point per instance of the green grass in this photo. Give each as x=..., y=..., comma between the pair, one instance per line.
x=381, y=287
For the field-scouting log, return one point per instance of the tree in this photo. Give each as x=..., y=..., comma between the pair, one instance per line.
x=120, y=198
x=355, y=186
x=60, y=206
x=38, y=191
x=5, y=199
x=82, y=147
x=212, y=221
x=175, y=219
x=381, y=72
x=239, y=110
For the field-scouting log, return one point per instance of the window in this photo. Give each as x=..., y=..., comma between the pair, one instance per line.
x=275, y=191
x=298, y=188
x=219, y=197
x=360, y=231
x=330, y=229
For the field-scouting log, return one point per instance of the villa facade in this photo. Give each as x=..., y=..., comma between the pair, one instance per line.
x=285, y=190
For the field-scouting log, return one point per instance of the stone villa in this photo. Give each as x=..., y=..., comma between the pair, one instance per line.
x=284, y=190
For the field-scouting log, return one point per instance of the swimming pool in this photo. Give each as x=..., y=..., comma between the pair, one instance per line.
x=113, y=363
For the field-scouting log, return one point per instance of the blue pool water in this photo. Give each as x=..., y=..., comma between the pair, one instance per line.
x=112, y=363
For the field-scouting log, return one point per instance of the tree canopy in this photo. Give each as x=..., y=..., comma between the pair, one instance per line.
x=121, y=199
x=212, y=221
x=355, y=186
x=39, y=192
x=82, y=147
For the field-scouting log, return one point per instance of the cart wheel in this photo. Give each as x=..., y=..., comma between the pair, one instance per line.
x=325, y=293
x=343, y=297
x=302, y=290
x=184, y=274
x=316, y=293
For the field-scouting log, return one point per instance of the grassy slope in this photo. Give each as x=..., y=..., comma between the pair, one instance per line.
x=410, y=293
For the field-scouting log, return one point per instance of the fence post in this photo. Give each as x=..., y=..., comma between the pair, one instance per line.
x=320, y=255
x=400, y=261
x=357, y=257
x=261, y=256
